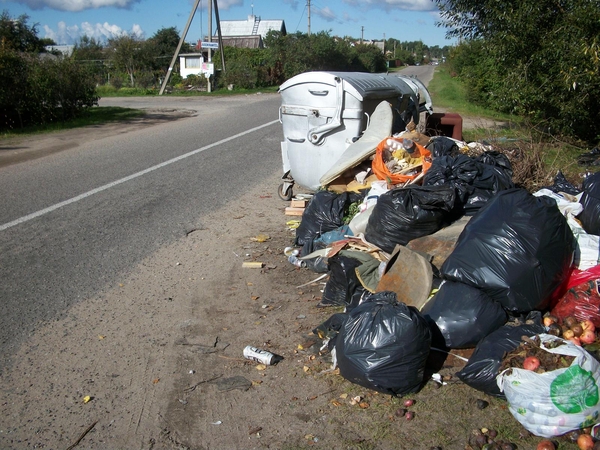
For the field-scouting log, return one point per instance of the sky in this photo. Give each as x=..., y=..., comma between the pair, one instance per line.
x=65, y=21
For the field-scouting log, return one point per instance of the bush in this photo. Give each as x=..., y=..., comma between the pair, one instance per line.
x=40, y=91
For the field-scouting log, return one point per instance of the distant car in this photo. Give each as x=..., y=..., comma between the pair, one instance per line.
x=417, y=64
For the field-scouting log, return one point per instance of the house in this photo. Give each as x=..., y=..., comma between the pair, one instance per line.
x=194, y=64
x=248, y=33
x=66, y=50
x=235, y=33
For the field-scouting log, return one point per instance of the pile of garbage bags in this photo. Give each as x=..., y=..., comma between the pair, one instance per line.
x=519, y=255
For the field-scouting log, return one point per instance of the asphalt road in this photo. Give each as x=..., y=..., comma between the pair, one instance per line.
x=73, y=223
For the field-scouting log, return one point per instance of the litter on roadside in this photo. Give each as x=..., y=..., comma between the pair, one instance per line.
x=428, y=246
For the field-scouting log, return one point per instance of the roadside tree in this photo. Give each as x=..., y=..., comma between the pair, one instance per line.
x=535, y=58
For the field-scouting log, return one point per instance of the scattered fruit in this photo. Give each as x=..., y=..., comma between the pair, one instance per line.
x=546, y=444
x=585, y=442
x=409, y=402
x=568, y=334
x=577, y=330
x=531, y=347
x=587, y=325
x=482, y=404
x=531, y=363
x=587, y=337
x=401, y=412
x=549, y=320
x=409, y=415
x=569, y=321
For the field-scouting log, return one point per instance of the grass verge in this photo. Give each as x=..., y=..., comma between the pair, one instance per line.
x=110, y=91
x=536, y=157
x=93, y=116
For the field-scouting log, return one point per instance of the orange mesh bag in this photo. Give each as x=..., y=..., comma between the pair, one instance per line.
x=383, y=172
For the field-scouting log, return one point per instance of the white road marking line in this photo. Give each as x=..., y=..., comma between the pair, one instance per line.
x=49, y=209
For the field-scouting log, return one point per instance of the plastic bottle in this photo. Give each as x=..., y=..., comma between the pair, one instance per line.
x=409, y=145
x=261, y=356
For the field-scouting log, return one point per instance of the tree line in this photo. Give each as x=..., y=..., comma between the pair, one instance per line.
x=41, y=87
x=538, y=59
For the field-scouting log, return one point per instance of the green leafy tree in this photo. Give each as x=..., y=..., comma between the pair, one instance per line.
x=539, y=58
x=127, y=55
x=88, y=49
x=16, y=34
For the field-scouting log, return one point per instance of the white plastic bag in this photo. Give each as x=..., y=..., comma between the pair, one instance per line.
x=555, y=402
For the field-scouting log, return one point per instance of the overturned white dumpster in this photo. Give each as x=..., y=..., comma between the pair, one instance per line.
x=322, y=113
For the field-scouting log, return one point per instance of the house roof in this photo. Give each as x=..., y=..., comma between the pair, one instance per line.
x=254, y=25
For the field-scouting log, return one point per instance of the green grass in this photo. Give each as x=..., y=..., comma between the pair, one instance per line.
x=92, y=116
x=449, y=93
x=556, y=153
x=110, y=91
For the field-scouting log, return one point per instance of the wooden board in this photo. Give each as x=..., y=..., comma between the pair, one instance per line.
x=291, y=211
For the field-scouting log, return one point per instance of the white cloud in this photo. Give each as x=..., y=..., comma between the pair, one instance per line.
x=389, y=5
x=100, y=31
x=293, y=3
x=326, y=13
x=77, y=5
x=226, y=4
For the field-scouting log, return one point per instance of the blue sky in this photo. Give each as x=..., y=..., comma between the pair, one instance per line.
x=66, y=21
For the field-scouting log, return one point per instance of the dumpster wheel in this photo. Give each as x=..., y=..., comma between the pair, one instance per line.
x=285, y=191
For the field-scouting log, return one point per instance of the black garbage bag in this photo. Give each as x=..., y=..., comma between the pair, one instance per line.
x=442, y=146
x=518, y=249
x=463, y=315
x=317, y=264
x=476, y=179
x=561, y=184
x=495, y=175
x=592, y=158
x=384, y=345
x=343, y=287
x=484, y=364
x=324, y=212
x=590, y=216
x=404, y=214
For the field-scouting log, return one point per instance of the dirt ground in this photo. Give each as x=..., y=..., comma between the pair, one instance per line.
x=159, y=357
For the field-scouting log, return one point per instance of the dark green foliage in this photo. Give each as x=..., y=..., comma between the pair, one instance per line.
x=40, y=91
x=535, y=58
x=16, y=35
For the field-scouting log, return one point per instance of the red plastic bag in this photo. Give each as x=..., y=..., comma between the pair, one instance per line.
x=581, y=302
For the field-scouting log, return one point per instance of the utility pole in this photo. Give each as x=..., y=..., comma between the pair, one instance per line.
x=362, y=33
x=181, y=40
x=208, y=86
x=220, y=35
x=308, y=3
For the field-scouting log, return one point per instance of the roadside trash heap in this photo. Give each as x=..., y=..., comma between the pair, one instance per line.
x=518, y=284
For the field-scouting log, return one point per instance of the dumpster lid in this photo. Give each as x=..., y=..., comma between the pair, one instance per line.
x=361, y=85
x=380, y=127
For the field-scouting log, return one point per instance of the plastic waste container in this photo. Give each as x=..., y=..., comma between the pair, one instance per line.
x=322, y=113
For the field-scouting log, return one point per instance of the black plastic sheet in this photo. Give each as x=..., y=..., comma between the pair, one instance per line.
x=484, y=364
x=317, y=264
x=590, y=217
x=442, y=146
x=324, y=212
x=384, y=345
x=404, y=214
x=561, y=184
x=475, y=179
x=343, y=287
x=518, y=249
x=462, y=315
